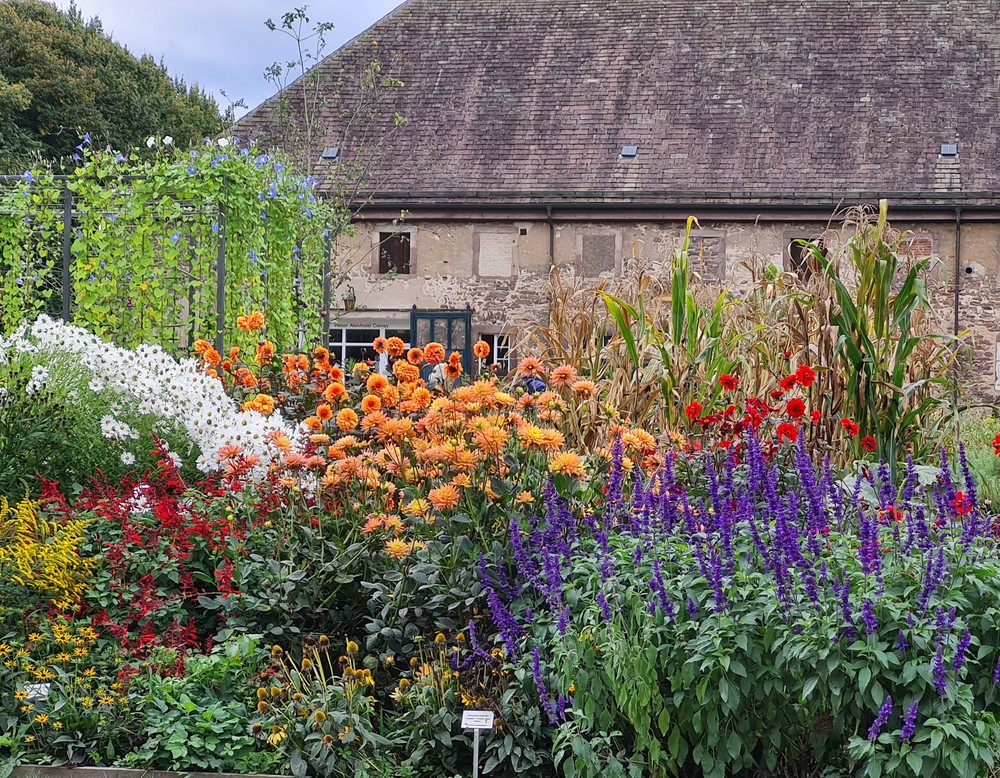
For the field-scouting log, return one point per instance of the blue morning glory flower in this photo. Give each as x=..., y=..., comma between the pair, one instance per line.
x=253, y=255
x=215, y=228
x=28, y=176
x=192, y=170
x=119, y=158
x=175, y=237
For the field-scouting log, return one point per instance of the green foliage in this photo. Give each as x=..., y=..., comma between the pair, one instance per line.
x=201, y=721
x=148, y=234
x=61, y=76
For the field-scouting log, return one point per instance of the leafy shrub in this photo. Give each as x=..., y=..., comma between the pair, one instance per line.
x=201, y=721
x=760, y=617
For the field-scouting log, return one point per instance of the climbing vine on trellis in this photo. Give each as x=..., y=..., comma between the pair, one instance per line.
x=148, y=232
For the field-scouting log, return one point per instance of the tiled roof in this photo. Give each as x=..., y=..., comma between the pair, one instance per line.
x=515, y=96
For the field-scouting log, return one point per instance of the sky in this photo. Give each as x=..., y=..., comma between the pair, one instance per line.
x=224, y=45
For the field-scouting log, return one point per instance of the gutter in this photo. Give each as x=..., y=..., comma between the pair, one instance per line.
x=924, y=210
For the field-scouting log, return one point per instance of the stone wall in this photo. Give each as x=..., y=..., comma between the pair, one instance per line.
x=501, y=269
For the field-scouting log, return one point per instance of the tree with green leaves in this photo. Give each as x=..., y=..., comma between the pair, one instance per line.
x=62, y=76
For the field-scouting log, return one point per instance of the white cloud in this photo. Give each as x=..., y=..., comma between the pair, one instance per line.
x=222, y=45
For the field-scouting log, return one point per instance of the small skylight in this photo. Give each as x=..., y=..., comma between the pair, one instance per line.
x=949, y=149
x=331, y=154
x=630, y=152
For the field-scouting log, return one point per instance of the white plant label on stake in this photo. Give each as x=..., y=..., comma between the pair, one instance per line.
x=476, y=720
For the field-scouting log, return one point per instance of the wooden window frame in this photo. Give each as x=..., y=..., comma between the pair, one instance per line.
x=376, y=264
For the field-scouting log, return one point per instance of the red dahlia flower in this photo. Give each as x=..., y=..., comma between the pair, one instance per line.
x=850, y=427
x=787, y=432
x=789, y=382
x=796, y=408
x=728, y=382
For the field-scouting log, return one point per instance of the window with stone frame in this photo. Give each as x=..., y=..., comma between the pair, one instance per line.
x=501, y=351
x=393, y=253
x=799, y=256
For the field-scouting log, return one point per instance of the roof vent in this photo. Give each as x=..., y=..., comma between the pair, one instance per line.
x=949, y=149
x=630, y=152
x=331, y=154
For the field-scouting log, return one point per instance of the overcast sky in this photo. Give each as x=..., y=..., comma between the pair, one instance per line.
x=223, y=44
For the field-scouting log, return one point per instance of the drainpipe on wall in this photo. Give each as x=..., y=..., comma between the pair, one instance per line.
x=958, y=277
x=958, y=262
x=552, y=236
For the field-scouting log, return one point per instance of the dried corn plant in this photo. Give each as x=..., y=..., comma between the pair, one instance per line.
x=861, y=319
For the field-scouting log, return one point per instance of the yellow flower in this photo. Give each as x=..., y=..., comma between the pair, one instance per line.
x=42, y=718
x=276, y=737
x=20, y=694
x=56, y=725
x=567, y=463
x=90, y=672
x=34, y=637
x=29, y=738
x=525, y=498
x=87, y=702
x=106, y=700
x=27, y=708
x=398, y=549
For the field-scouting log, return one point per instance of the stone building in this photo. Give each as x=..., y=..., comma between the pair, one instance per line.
x=581, y=133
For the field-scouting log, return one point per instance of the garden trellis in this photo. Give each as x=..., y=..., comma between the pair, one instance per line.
x=168, y=250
